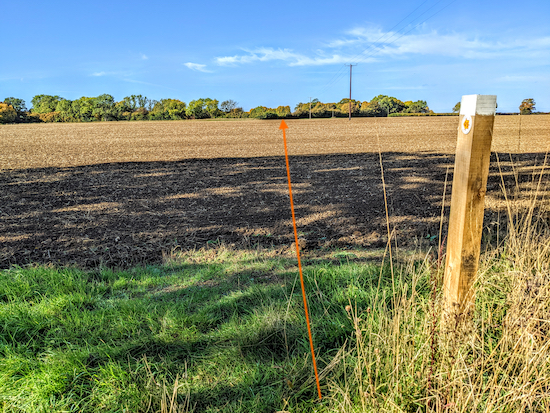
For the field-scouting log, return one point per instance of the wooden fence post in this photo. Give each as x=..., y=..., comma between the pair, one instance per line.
x=473, y=151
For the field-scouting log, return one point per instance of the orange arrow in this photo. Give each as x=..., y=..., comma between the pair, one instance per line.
x=284, y=127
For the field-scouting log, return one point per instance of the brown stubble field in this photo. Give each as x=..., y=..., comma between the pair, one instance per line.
x=125, y=193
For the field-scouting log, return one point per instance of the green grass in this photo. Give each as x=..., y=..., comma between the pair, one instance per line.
x=219, y=330
x=229, y=326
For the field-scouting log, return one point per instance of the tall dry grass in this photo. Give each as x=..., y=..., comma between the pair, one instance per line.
x=403, y=360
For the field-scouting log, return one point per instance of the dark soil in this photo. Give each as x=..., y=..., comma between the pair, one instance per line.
x=123, y=214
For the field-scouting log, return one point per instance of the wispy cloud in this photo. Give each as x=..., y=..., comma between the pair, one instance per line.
x=144, y=56
x=367, y=44
x=114, y=73
x=197, y=66
x=359, y=35
x=265, y=54
x=523, y=78
x=376, y=42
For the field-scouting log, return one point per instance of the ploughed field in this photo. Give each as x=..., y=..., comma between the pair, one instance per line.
x=126, y=193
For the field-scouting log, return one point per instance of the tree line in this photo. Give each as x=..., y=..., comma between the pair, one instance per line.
x=47, y=108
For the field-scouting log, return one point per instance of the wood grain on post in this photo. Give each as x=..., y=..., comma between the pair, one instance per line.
x=473, y=151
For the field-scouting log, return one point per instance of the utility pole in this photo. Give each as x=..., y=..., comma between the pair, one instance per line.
x=310, y=107
x=350, y=66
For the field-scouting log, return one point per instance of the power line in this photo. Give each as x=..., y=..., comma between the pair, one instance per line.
x=341, y=73
x=408, y=31
x=401, y=21
x=338, y=72
x=373, y=47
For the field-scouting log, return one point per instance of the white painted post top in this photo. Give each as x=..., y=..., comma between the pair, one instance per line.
x=478, y=105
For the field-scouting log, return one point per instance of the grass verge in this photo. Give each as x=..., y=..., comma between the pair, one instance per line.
x=212, y=330
x=218, y=330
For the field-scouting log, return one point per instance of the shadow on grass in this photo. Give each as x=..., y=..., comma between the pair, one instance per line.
x=235, y=336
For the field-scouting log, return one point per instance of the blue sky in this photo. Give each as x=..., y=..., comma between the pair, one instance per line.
x=278, y=52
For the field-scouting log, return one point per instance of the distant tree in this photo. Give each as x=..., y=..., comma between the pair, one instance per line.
x=83, y=108
x=44, y=103
x=389, y=104
x=420, y=106
x=50, y=117
x=228, y=105
x=312, y=104
x=176, y=108
x=355, y=107
x=527, y=106
x=456, y=108
x=103, y=107
x=122, y=110
x=151, y=104
x=140, y=114
x=298, y=106
x=212, y=107
x=133, y=107
x=130, y=102
x=346, y=100
x=64, y=105
x=17, y=104
x=202, y=108
x=283, y=111
x=259, y=112
x=196, y=109
x=157, y=112
x=237, y=113
x=142, y=101
x=331, y=109
x=65, y=109
x=320, y=110
x=7, y=113
x=168, y=109
x=28, y=117
x=301, y=109
x=134, y=102
x=372, y=109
